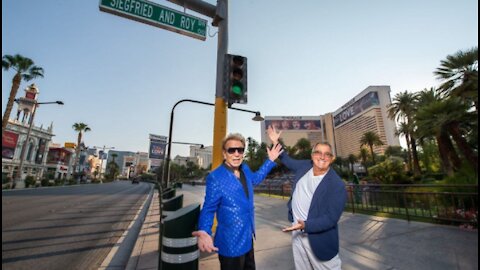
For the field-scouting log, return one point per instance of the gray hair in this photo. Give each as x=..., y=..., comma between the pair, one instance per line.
x=322, y=143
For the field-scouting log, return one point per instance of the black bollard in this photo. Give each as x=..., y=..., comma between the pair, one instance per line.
x=168, y=193
x=173, y=204
x=179, y=247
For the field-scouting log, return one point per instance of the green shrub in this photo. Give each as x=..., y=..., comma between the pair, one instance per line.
x=6, y=180
x=390, y=171
x=465, y=175
x=30, y=181
x=45, y=182
x=59, y=182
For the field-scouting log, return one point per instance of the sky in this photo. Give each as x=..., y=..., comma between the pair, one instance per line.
x=305, y=58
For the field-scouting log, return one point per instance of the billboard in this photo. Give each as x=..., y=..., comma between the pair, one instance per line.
x=294, y=123
x=70, y=145
x=354, y=108
x=9, y=143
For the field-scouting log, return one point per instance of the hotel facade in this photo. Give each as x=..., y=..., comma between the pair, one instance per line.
x=344, y=127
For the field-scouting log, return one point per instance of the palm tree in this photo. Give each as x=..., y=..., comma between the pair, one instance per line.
x=403, y=110
x=351, y=161
x=112, y=168
x=339, y=161
x=458, y=120
x=371, y=139
x=459, y=73
x=304, y=149
x=432, y=120
x=80, y=128
x=396, y=151
x=26, y=70
x=404, y=129
x=363, y=155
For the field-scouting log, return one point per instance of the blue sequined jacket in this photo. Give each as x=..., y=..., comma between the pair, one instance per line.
x=225, y=196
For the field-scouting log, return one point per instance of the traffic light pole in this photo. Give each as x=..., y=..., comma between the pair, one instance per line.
x=219, y=14
x=220, y=120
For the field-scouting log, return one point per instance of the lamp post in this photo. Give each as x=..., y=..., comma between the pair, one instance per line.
x=166, y=167
x=101, y=158
x=25, y=145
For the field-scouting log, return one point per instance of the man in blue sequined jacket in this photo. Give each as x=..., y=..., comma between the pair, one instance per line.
x=229, y=195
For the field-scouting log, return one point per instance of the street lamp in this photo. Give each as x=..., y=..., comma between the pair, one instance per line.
x=166, y=167
x=25, y=144
x=101, y=158
x=197, y=144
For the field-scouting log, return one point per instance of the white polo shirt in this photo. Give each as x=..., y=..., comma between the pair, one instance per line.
x=303, y=194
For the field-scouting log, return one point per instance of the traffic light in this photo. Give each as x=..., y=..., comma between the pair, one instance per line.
x=235, y=79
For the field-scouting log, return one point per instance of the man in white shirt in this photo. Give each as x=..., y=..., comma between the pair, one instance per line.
x=318, y=200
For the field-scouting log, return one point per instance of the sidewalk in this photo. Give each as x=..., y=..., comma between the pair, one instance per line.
x=366, y=242
x=145, y=253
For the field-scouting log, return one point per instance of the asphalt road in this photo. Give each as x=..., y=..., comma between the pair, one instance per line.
x=72, y=227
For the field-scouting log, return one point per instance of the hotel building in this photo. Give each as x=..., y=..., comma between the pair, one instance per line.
x=343, y=128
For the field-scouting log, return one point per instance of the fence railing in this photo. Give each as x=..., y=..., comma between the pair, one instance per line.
x=446, y=204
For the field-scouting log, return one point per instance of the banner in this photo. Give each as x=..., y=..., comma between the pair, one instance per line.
x=157, y=149
x=9, y=143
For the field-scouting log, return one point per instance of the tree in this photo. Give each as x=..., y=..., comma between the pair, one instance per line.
x=459, y=73
x=304, y=149
x=80, y=128
x=113, y=170
x=452, y=115
x=352, y=159
x=432, y=120
x=403, y=109
x=363, y=155
x=430, y=156
x=404, y=129
x=371, y=139
x=25, y=69
x=256, y=154
x=394, y=151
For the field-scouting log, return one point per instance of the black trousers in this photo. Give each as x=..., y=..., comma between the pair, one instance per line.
x=244, y=262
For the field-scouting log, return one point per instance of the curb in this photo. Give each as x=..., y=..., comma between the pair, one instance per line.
x=145, y=252
x=119, y=255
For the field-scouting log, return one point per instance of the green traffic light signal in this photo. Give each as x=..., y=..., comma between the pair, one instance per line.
x=237, y=88
x=236, y=79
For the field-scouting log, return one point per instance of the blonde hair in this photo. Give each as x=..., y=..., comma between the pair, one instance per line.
x=233, y=137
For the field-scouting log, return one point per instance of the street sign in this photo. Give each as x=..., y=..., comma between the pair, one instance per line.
x=157, y=15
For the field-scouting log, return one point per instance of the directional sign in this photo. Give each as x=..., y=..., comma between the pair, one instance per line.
x=157, y=15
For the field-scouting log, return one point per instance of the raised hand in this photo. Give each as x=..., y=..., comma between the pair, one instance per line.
x=273, y=134
x=274, y=152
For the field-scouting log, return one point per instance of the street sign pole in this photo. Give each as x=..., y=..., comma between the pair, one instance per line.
x=169, y=19
x=220, y=120
x=219, y=14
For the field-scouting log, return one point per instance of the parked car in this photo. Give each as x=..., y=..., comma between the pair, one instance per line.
x=136, y=180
